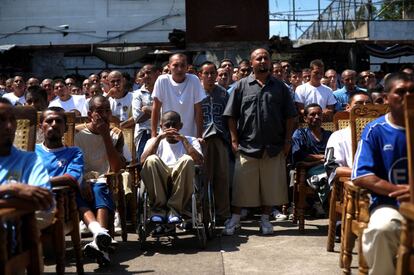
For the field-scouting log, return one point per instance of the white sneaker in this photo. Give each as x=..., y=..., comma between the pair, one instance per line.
x=279, y=216
x=83, y=229
x=230, y=228
x=117, y=223
x=266, y=227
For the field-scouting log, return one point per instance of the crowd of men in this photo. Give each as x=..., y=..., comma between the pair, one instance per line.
x=239, y=121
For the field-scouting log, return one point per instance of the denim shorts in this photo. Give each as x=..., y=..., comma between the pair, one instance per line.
x=102, y=198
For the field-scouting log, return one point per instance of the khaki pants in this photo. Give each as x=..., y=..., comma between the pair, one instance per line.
x=156, y=174
x=381, y=239
x=217, y=162
x=259, y=182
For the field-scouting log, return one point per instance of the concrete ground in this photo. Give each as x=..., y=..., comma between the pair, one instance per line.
x=286, y=252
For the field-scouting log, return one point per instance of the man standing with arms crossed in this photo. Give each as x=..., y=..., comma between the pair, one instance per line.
x=261, y=117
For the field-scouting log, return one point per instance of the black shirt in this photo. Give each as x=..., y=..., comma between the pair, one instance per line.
x=261, y=114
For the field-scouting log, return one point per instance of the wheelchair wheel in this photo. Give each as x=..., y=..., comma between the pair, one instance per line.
x=209, y=217
x=142, y=203
x=197, y=218
x=202, y=237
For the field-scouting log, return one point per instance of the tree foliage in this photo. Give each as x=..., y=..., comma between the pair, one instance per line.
x=396, y=9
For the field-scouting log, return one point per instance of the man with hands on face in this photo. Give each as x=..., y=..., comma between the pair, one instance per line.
x=170, y=155
x=102, y=148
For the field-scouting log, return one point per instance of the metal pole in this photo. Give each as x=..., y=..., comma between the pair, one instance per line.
x=343, y=19
x=294, y=10
x=319, y=18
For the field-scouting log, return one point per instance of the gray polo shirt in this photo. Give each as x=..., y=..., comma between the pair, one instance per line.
x=261, y=114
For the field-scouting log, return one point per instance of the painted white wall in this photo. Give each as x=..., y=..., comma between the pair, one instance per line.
x=37, y=22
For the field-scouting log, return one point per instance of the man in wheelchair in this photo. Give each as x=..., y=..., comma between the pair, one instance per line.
x=168, y=169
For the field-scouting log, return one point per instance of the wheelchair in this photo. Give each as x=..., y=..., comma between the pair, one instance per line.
x=200, y=211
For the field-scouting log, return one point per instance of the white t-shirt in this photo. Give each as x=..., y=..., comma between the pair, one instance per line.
x=75, y=102
x=341, y=142
x=180, y=97
x=170, y=153
x=14, y=99
x=307, y=94
x=121, y=107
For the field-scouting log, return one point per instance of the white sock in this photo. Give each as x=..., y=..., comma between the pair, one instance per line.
x=265, y=218
x=235, y=219
x=96, y=228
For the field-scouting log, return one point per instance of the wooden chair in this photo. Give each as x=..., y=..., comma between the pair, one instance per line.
x=405, y=262
x=355, y=210
x=66, y=221
x=19, y=247
x=26, y=118
x=81, y=119
x=328, y=126
x=341, y=121
x=133, y=169
x=301, y=189
x=336, y=202
x=69, y=136
x=114, y=181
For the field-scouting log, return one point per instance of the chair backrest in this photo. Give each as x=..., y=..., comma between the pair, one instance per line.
x=360, y=116
x=69, y=137
x=328, y=126
x=341, y=120
x=25, y=138
x=129, y=141
x=81, y=119
x=409, y=131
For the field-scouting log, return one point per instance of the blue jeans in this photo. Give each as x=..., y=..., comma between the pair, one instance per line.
x=144, y=138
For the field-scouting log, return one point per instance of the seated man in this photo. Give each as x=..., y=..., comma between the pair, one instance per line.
x=381, y=166
x=36, y=96
x=170, y=155
x=340, y=140
x=308, y=144
x=70, y=103
x=24, y=183
x=65, y=167
x=102, y=148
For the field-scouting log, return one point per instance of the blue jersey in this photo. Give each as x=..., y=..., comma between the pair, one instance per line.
x=304, y=143
x=62, y=161
x=23, y=167
x=382, y=151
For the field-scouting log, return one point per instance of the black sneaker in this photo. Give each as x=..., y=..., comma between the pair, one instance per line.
x=103, y=240
x=91, y=250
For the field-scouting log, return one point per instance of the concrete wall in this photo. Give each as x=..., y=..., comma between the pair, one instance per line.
x=391, y=30
x=39, y=22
